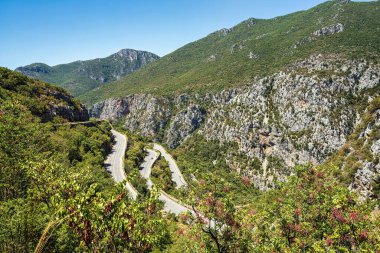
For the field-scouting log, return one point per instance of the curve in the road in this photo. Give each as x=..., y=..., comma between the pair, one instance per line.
x=170, y=204
x=115, y=162
x=176, y=173
x=147, y=164
x=115, y=165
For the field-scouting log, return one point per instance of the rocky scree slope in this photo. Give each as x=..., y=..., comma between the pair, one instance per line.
x=302, y=114
x=82, y=76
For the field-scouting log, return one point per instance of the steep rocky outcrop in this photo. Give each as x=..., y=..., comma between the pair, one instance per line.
x=364, y=179
x=183, y=124
x=325, y=31
x=359, y=158
x=302, y=114
x=364, y=150
x=328, y=30
x=142, y=113
x=67, y=108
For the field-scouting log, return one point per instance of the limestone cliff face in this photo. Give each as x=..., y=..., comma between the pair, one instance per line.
x=183, y=124
x=360, y=156
x=142, y=113
x=302, y=114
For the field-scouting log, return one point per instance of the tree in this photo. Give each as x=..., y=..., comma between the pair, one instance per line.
x=312, y=212
x=115, y=225
x=217, y=225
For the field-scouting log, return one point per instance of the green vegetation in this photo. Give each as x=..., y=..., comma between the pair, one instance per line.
x=134, y=156
x=313, y=212
x=55, y=195
x=189, y=69
x=38, y=98
x=82, y=76
x=357, y=150
x=206, y=161
x=162, y=176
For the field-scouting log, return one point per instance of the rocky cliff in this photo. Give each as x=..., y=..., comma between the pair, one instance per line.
x=358, y=159
x=302, y=114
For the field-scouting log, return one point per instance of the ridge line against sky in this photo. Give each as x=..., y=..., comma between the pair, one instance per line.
x=62, y=31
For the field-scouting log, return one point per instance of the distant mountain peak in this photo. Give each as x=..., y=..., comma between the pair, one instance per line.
x=81, y=76
x=127, y=52
x=250, y=22
x=342, y=1
x=38, y=68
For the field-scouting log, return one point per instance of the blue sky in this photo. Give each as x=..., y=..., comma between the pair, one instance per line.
x=61, y=31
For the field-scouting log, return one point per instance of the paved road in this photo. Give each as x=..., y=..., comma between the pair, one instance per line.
x=173, y=206
x=170, y=205
x=176, y=173
x=146, y=166
x=79, y=122
x=115, y=166
x=115, y=163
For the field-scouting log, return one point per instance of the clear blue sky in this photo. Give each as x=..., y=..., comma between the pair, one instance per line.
x=61, y=31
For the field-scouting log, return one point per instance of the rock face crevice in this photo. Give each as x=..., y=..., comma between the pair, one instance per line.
x=184, y=124
x=142, y=113
x=301, y=114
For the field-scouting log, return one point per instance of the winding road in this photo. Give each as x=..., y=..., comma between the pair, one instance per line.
x=115, y=162
x=176, y=173
x=146, y=166
x=170, y=204
x=115, y=165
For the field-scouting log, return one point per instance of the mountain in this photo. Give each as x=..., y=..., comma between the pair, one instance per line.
x=256, y=48
x=56, y=195
x=261, y=97
x=82, y=76
x=274, y=125
x=43, y=101
x=43, y=156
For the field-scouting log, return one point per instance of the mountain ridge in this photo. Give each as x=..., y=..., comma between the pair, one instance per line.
x=254, y=47
x=82, y=76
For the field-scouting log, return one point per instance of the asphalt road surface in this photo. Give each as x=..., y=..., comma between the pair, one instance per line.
x=176, y=173
x=170, y=205
x=115, y=166
x=115, y=163
x=146, y=166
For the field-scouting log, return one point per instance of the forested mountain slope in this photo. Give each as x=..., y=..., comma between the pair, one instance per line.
x=82, y=76
x=255, y=47
x=55, y=194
